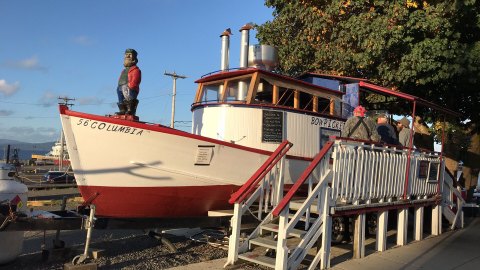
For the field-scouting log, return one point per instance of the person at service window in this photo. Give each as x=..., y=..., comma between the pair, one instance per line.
x=129, y=84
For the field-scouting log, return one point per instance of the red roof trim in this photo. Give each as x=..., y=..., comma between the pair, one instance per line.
x=384, y=90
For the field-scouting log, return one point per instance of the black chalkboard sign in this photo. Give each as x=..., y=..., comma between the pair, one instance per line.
x=272, y=126
x=433, y=171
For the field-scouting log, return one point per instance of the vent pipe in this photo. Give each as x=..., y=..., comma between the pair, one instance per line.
x=224, y=64
x=244, y=44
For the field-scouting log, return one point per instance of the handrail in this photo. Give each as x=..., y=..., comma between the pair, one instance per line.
x=283, y=203
x=248, y=187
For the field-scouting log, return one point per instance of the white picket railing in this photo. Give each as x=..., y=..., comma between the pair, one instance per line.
x=363, y=173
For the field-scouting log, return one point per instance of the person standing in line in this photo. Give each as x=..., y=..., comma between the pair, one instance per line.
x=129, y=84
x=404, y=132
x=386, y=131
x=360, y=127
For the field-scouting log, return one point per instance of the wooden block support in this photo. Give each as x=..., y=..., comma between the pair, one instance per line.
x=359, y=237
x=437, y=220
x=418, y=226
x=382, y=225
x=402, y=226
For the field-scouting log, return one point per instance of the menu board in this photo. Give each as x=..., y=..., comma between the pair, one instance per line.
x=272, y=126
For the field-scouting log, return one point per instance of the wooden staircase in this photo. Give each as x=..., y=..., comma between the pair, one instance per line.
x=291, y=226
x=263, y=247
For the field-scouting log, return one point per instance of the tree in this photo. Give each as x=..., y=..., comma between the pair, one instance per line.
x=430, y=48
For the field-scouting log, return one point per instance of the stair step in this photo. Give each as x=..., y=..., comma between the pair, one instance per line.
x=274, y=228
x=295, y=205
x=264, y=242
x=258, y=259
x=312, y=220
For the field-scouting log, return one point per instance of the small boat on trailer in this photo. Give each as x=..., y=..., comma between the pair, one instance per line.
x=132, y=169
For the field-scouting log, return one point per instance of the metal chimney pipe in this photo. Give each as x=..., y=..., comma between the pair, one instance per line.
x=224, y=65
x=245, y=30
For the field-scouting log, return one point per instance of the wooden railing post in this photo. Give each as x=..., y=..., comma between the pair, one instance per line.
x=281, y=260
x=234, y=240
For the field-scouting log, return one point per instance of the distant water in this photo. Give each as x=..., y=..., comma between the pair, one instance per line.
x=25, y=149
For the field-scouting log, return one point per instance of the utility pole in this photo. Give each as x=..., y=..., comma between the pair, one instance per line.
x=175, y=76
x=62, y=137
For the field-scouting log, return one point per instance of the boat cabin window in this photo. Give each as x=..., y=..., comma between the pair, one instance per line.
x=269, y=91
x=237, y=90
x=211, y=93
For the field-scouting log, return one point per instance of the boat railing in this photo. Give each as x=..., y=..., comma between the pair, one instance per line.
x=365, y=173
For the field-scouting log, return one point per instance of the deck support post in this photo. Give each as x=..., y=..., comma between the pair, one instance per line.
x=402, y=226
x=359, y=237
x=234, y=240
x=418, y=226
x=437, y=219
x=281, y=260
x=326, y=231
x=382, y=225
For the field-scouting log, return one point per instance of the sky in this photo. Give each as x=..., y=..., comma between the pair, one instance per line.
x=54, y=48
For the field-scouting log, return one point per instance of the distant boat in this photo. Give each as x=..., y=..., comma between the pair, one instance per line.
x=53, y=156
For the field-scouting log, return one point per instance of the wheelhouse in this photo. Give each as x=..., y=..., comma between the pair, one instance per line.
x=258, y=108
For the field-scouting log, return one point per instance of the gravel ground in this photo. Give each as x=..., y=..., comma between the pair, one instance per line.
x=122, y=250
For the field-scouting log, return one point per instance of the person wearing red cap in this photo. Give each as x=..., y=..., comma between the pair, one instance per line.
x=360, y=127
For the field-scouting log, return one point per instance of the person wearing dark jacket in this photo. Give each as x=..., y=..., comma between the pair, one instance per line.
x=386, y=131
x=360, y=127
x=129, y=84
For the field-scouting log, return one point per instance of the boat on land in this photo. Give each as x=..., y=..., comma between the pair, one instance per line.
x=133, y=169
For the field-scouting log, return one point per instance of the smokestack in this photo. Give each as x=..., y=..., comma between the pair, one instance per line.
x=244, y=44
x=224, y=65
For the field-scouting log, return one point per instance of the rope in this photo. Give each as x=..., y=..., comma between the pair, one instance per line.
x=9, y=218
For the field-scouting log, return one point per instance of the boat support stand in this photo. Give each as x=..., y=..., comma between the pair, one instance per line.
x=89, y=224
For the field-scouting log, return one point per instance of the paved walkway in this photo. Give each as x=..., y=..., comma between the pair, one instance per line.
x=458, y=249
x=452, y=250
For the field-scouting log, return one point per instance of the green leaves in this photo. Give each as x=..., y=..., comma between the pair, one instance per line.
x=427, y=48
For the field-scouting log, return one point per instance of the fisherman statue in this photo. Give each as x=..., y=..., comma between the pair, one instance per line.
x=129, y=84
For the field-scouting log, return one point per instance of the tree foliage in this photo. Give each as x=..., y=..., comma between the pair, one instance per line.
x=430, y=49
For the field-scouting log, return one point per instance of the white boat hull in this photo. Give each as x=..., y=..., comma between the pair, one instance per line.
x=133, y=169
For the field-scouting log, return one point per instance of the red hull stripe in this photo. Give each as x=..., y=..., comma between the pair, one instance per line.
x=149, y=202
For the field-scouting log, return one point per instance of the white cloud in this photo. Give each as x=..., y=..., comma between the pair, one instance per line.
x=31, y=63
x=82, y=40
x=89, y=101
x=30, y=134
x=49, y=99
x=8, y=89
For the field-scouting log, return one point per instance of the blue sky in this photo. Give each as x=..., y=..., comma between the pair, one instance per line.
x=75, y=48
